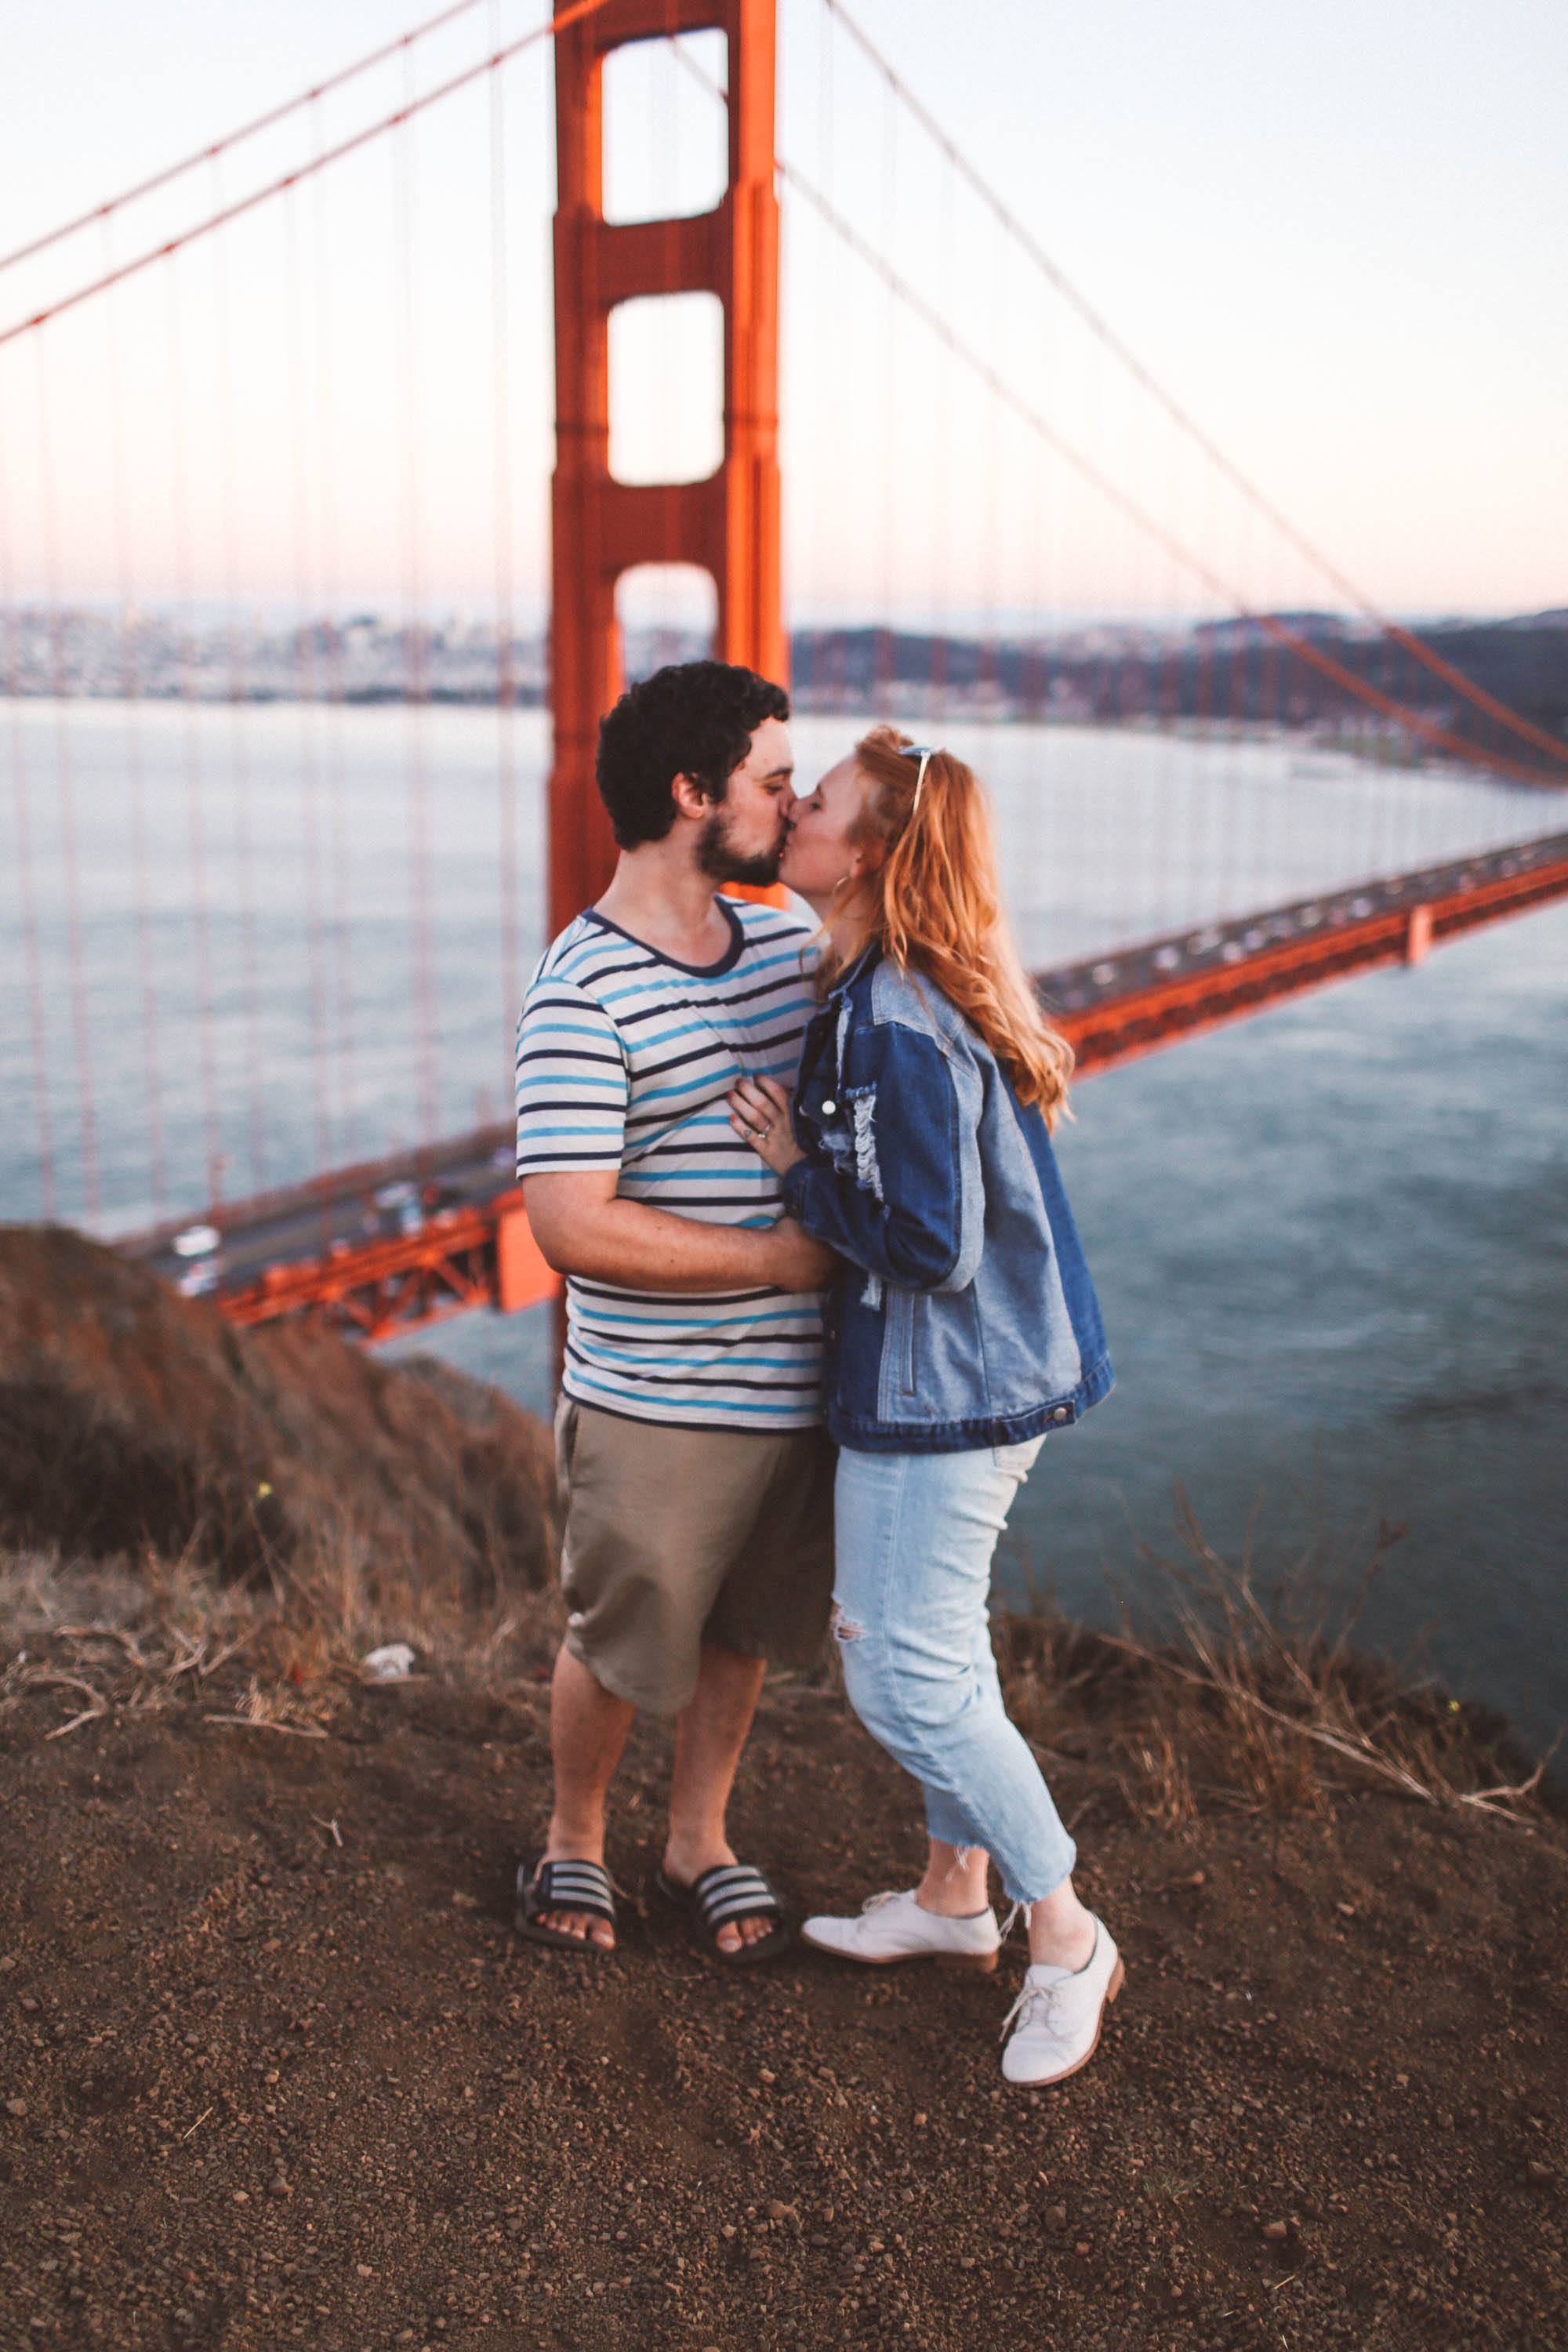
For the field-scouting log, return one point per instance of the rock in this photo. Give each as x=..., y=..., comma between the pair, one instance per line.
x=29, y=2001
x=1276, y=2231
x=392, y=1662
x=15, y=2106
x=1540, y=2173
x=1057, y=2216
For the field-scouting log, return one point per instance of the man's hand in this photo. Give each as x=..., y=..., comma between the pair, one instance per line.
x=801, y=1264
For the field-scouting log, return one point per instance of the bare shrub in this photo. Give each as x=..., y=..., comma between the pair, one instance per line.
x=1213, y=1693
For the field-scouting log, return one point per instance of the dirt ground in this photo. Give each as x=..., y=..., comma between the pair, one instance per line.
x=274, y=2070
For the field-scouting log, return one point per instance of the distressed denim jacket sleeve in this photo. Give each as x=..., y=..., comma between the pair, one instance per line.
x=907, y=1205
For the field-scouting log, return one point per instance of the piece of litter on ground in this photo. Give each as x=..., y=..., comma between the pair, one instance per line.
x=392, y=1662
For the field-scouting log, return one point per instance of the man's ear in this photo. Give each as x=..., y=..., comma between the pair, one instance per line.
x=690, y=798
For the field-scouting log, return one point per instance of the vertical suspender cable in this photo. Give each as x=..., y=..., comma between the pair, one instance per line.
x=661, y=152
x=1142, y=816
x=330, y=684
x=1047, y=524
x=1206, y=789
x=1273, y=808
x=1042, y=523
x=987, y=675
x=66, y=779
x=818, y=670
x=413, y=663
x=305, y=686
x=1410, y=803
x=837, y=641
x=941, y=469
x=195, y=814
x=1264, y=855
x=1243, y=766
x=882, y=669
x=26, y=878
x=238, y=702
x=136, y=780
x=665, y=147
x=501, y=507
x=1233, y=882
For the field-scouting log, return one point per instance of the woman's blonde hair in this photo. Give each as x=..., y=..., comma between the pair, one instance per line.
x=938, y=910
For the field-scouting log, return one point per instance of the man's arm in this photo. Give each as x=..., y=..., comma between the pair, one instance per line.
x=582, y=1228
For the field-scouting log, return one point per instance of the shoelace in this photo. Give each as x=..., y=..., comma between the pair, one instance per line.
x=1022, y=2009
x=875, y=1901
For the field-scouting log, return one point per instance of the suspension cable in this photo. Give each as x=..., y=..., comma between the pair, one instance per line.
x=267, y=121
x=1097, y=479
x=1098, y=326
x=558, y=24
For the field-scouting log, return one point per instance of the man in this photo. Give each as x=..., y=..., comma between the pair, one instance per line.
x=699, y=1534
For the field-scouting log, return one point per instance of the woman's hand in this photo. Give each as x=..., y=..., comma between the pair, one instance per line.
x=759, y=1111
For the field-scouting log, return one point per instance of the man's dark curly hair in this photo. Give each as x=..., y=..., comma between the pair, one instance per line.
x=692, y=719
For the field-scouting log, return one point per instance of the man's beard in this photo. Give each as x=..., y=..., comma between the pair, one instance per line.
x=722, y=864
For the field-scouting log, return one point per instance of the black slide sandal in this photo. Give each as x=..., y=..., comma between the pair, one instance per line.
x=728, y=1892
x=546, y=1886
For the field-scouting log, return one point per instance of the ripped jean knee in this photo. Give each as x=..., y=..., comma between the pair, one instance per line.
x=845, y=1627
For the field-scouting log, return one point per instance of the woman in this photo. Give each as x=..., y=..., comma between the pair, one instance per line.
x=963, y=1327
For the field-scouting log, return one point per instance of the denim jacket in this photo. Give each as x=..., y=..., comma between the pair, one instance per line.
x=975, y=1322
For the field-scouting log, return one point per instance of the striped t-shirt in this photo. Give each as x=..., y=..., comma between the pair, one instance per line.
x=623, y=1061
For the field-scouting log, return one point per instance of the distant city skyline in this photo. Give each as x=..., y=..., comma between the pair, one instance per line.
x=1292, y=245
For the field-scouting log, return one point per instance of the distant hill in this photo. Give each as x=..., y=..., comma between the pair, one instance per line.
x=1218, y=670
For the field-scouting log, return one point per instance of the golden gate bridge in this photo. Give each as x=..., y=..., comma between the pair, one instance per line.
x=956, y=302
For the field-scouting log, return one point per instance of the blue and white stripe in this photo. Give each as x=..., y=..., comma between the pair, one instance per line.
x=623, y=1061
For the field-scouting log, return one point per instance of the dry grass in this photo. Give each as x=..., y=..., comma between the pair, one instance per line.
x=145, y=1635
x=1240, y=1700
x=1256, y=1700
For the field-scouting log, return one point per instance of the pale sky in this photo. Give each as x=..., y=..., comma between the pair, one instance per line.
x=1336, y=234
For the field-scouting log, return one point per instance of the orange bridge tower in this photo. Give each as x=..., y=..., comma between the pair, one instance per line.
x=727, y=524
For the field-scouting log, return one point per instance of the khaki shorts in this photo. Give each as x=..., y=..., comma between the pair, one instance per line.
x=677, y=1537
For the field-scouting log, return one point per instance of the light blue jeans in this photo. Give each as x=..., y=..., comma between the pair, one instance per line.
x=915, y=1537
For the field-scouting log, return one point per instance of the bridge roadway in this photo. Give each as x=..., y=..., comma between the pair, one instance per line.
x=419, y=1235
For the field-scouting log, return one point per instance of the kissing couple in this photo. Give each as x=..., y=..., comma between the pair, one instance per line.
x=825, y=1303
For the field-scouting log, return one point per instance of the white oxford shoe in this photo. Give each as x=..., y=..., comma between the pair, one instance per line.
x=893, y=1927
x=1059, y=2014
